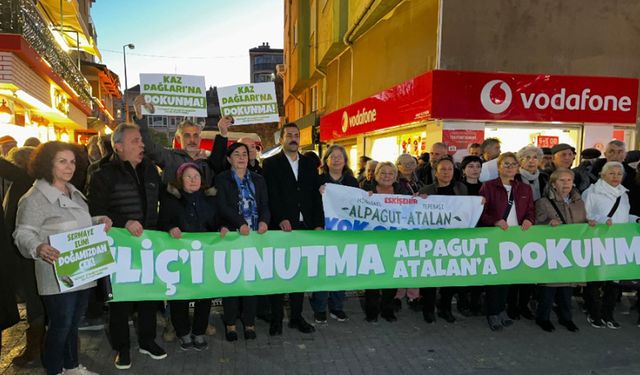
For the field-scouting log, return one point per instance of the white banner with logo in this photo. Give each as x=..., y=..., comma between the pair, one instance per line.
x=253, y=103
x=347, y=208
x=174, y=94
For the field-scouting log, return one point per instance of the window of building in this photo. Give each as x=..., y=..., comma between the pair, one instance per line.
x=314, y=98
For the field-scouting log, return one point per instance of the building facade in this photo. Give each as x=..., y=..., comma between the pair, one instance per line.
x=43, y=45
x=343, y=58
x=263, y=61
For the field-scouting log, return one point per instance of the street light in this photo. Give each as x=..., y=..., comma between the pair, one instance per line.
x=125, y=105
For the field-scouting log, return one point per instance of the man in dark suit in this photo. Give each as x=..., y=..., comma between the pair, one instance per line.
x=295, y=203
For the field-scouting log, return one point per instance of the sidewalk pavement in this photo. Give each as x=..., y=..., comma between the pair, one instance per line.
x=408, y=346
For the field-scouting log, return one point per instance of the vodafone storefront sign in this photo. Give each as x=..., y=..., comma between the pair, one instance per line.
x=460, y=95
x=534, y=97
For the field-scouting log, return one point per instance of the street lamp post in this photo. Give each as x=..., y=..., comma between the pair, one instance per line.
x=125, y=104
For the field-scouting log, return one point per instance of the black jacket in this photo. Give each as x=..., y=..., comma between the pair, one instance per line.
x=191, y=212
x=458, y=188
x=347, y=180
x=228, y=195
x=122, y=193
x=288, y=197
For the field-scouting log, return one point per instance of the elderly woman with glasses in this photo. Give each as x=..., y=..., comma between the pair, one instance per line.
x=335, y=170
x=607, y=202
x=385, y=183
x=508, y=203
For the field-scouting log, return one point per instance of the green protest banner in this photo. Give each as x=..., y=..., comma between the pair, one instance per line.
x=174, y=94
x=201, y=265
x=84, y=256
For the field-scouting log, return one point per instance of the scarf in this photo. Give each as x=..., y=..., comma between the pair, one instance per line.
x=247, y=205
x=532, y=180
x=604, y=188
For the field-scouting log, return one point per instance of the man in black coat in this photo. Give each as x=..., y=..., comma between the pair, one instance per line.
x=295, y=203
x=616, y=151
x=126, y=188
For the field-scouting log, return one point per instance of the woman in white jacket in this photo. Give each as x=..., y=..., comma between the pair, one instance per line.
x=53, y=205
x=606, y=202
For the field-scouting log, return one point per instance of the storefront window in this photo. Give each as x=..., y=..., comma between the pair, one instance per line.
x=513, y=138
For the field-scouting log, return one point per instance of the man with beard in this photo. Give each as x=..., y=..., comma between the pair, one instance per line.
x=295, y=203
x=188, y=136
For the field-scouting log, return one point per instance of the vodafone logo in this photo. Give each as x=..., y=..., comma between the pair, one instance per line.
x=345, y=121
x=559, y=100
x=362, y=117
x=495, y=105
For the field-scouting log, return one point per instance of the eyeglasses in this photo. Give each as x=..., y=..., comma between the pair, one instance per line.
x=509, y=165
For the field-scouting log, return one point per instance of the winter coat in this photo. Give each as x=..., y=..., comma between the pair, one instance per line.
x=347, y=180
x=190, y=212
x=228, y=195
x=122, y=193
x=43, y=211
x=573, y=212
x=497, y=201
x=599, y=199
x=458, y=189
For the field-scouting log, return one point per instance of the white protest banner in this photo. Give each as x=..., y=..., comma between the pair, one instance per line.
x=174, y=94
x=84, y=256
x=347, y=208
x=252, y=103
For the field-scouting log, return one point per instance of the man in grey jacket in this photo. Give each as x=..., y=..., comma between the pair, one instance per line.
x=188, y=135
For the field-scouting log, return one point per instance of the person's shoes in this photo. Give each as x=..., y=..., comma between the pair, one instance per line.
x=447, y=316
x=211, y=330
x=569, y=324
x=414, y=304
x=611, y=323
x=230, y=334
x=185, y=342
x=465, y=312
x=169, y=333
x=275, y=328
x=595, y=323
x=320, y=317
x=505, y=319
x=338, y=315
x=80, y=370
x=301, y=325
x=91, y=324
x=495, y=324
x=123, y=360
x=389, y=317
x=199, y=343
x=527, y=314
x=397, y=304
x=429, y=317
x=250, y=333
x=153, y=350
x=546, y=325
x=371, y=318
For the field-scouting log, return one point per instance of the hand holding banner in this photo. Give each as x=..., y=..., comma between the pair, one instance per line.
x=84, y=256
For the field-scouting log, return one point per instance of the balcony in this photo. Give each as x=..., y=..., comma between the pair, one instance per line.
x=21, y=17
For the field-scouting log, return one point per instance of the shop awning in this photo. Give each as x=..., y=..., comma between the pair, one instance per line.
x=65, y=17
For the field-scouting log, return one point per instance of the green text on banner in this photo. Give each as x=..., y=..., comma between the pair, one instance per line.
x=201, y=265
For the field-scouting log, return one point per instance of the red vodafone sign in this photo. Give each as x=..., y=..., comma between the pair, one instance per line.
x=534, y=97
x=407, y=102
x=460, y=95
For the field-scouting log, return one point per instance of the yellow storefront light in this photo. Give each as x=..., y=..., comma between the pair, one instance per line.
x=64, y=137
x=5, y=113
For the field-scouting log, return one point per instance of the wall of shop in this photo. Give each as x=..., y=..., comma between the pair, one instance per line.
x=576, y=37
x=15, y=71
x=387, y=53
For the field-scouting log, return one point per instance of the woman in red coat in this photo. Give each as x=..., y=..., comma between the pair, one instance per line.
x=508, y=203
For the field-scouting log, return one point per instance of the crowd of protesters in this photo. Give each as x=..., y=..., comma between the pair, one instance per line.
x=136, y=184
